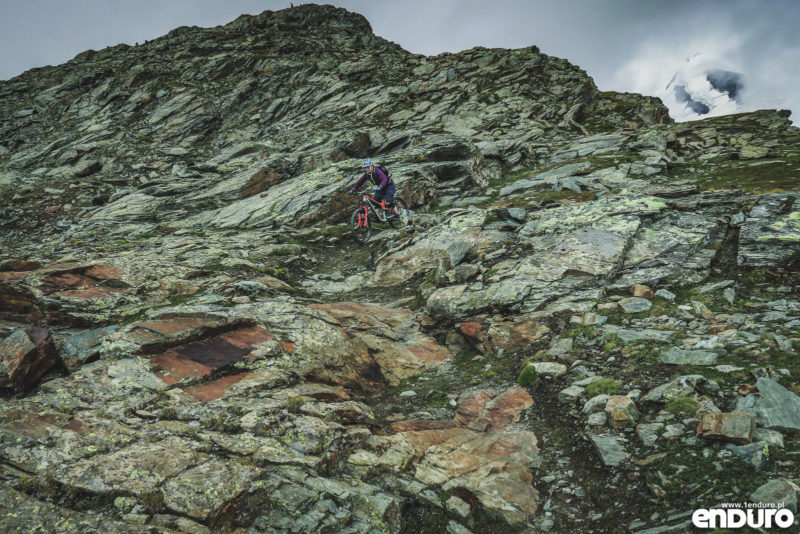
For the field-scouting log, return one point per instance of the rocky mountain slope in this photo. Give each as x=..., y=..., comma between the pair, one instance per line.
x=589, y=323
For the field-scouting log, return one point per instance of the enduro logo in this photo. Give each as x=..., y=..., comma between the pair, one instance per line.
x=756, y=515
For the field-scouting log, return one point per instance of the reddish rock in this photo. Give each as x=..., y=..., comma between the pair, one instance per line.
x=17, y=264
x=415, y=425
x=201, y=358
x=495, y=468
x=25, y=356
x=732, y=427
x=18, y=302
x=508, y=335
x=747, y=389
x=504, y=334
x=477, y=410
x=261, y=181
x=716, y=328
x=157, y=335
x=641, y=291
x=212, y=390
x=427, y=321
x=151, y=334
x=471, y=405
x=52, y=209
x=473, y=329
x=83, y=281
x=65, y=285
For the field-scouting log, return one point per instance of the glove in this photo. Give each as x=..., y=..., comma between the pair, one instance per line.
x=378, y=191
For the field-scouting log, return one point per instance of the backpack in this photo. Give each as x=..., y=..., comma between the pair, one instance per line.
x=384, y=170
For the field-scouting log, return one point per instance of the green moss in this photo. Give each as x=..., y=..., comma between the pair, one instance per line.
x=335, y=231
x=168, y=412
x=682, y=405
x=773, y=177
x=580, y=331
x=436, y=399
x=527, y=376
x=293, y=404
x=692, y=478
x=153, y=502
x=246, y=460
x=221, y=424
x=565, y=194
x=605, y=386
x=281, y=273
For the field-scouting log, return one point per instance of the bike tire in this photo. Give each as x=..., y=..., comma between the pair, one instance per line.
x=401, y=218
x=358, y=228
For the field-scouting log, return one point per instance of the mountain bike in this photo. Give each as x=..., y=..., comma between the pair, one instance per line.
x=371, y=210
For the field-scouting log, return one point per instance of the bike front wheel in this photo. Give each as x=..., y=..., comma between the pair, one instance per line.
x=399, y=219
x=360, y=225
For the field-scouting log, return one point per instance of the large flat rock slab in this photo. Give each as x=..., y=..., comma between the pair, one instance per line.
x=200, y=359
x=213, y=493
x=676, y=356
x=611, y=451
x=137, y=469
x=35, y=438
x=496, y=468
x=475, y=451
x=732, y=427
x=157, y=334
x=393, y=337
x=60, y=292
x=770, y=234
x=773, y=405
x=484, y=411
x=19, y=512
x=447, y=244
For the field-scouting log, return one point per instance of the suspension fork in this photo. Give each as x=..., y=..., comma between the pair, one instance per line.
x=362, y=217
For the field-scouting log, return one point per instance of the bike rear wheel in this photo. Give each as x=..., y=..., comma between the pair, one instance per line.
x=360, y=225
x=399, y=219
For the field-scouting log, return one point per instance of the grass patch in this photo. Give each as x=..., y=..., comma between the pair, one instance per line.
x=337, y=230
x=770, y=177
x=551, y=196
x=293, y=404
x=527, y=376
x=436, y=399
x=605, y=386
x=682, y=405
x=688, y=480
x=153, y=502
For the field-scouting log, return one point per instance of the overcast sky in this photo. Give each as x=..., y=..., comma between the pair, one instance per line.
x=625, y=45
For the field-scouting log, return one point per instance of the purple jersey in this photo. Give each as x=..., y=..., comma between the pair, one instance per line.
x=378, y=178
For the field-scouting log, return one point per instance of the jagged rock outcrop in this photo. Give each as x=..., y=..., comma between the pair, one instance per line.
x=220, y=355
x=25, y=356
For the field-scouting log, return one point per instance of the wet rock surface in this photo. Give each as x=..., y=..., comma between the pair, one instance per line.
x=589, y=322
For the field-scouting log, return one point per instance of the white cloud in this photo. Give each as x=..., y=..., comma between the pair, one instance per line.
x=684, y=55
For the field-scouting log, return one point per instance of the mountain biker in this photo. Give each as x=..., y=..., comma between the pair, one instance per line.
x=385, y=186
